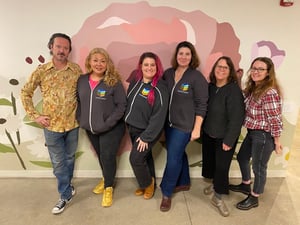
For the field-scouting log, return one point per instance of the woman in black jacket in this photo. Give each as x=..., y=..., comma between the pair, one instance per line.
x=221, y=129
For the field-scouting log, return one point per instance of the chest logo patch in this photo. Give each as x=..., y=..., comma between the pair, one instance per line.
x=101, y=93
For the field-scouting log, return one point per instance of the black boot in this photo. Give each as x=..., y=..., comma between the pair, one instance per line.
x=243, y=188
x=248, y=203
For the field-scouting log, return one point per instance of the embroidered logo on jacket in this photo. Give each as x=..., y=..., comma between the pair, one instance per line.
x=184, y=88
x=144, y=93
x=101, y=93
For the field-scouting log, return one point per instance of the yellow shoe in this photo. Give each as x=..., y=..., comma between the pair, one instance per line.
x=139, y=192
x=99, y=188
x=149, y=191
x=107, y=198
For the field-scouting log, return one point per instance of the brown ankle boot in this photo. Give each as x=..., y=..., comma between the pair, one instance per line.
x=149, y=191
x=139, y=192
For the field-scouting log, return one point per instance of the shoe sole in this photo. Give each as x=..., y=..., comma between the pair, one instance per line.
x=247, y=208
x=97, y=192
x=147, y=197
x=139, y=192
x=58, y=212
x=164, y=210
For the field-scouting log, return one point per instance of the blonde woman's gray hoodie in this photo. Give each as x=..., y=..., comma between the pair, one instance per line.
x=99, y=109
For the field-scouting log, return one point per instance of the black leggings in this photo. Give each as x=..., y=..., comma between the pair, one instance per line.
x=142, y=163
x=106, y=146
x=216, y=162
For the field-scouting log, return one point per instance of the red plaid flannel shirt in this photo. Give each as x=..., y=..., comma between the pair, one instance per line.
x=264, y=113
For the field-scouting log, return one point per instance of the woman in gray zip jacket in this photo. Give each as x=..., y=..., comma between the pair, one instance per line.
x=101, y=106
x=145, y=116
x=187, y=107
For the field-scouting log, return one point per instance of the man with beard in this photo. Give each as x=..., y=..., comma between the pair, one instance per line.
x=57, y=81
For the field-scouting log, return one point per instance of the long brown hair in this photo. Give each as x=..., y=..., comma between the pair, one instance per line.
x=270, y=81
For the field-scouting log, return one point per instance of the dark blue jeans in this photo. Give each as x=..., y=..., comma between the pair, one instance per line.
x=62, y=147
x=177, y=168
x=259, y=146
x=106, y=146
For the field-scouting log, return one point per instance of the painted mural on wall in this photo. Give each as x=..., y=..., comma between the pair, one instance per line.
x=125, y=30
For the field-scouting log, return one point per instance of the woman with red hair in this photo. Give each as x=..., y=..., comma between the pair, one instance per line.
x=147, y=105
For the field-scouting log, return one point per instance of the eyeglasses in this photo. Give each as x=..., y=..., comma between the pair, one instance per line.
x=223, y=67
x=259, y=70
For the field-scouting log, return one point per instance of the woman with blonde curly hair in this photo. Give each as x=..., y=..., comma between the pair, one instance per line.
x=101, y=106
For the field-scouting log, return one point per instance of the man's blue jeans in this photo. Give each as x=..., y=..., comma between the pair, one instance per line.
x=62, y=147
x=177, y=168
x=258, y=145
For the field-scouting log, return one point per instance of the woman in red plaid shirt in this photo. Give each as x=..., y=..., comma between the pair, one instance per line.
x=264, y=124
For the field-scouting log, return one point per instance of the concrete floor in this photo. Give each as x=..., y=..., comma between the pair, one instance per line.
x=29, y=201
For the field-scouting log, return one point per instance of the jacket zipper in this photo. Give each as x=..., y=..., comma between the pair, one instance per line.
x=134, y=97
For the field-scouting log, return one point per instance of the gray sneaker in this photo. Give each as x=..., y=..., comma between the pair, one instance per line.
x=220, y=204
x=208, y=190
x=60, y=206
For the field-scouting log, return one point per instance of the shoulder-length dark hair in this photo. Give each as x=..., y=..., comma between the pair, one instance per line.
x=270, y=81
x=157, y=76
x=232, y=73
x=195, y=61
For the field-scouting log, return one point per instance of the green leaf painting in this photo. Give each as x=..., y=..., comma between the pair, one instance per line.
x=4, y=101
x=6, y=149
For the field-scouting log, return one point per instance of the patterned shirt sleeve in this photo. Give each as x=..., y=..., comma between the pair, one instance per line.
x=272, y=107
x=27, y=94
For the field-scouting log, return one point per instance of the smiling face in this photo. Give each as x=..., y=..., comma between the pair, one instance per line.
x=258, y=71
x=222, y=72
x=98, y=64
x=148, y=69
x=184, y=57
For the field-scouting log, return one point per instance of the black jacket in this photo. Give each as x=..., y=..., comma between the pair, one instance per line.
x=226, y=113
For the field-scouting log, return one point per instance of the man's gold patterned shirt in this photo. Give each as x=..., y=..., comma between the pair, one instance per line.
x=58, y=90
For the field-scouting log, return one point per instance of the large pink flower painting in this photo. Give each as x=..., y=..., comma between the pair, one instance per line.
x=127, y=30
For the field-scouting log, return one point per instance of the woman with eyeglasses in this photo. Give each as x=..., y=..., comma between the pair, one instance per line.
x=221, y=129
x=264, y=124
